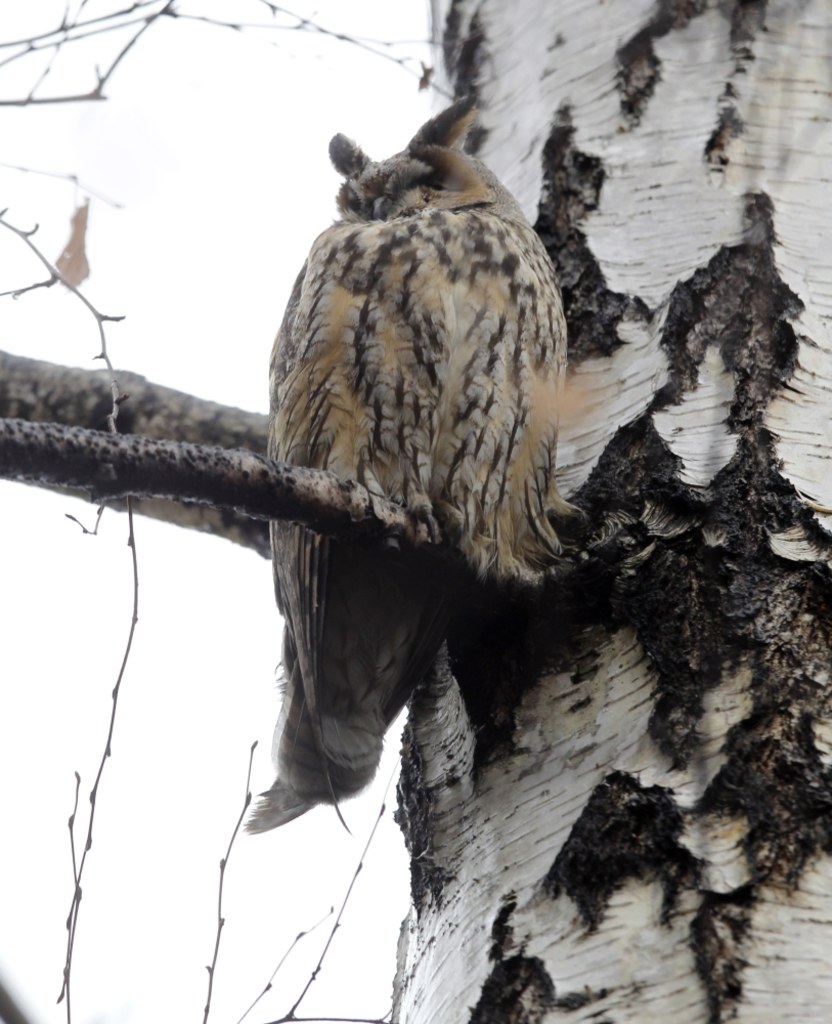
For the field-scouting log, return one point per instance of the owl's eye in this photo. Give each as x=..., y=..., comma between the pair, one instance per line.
x=381, y=208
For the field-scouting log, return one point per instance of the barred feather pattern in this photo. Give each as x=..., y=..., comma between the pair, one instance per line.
x=422, y=354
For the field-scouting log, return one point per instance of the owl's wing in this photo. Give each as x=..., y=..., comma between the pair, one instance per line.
x=301, y=559
x=363, y=626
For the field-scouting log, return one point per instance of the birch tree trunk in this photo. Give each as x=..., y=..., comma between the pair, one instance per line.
x=624, y=809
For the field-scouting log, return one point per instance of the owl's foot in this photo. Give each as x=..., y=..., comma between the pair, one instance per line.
x=452, y=521
x=422, y=511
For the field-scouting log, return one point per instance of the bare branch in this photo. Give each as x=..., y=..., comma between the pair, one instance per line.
x=376, y=47
x=52, y=42
x=78, y=868
x=114, y=466
x=290, y=1016
x=38, y=391
x=223, y=865
x=65, y=29
x=295, y=942
x=64, y=176
x=69, y=32
x=43, y=392
x=54, y=276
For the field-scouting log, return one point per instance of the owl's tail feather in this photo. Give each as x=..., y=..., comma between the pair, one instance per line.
x=352, y=747
x=276, y=807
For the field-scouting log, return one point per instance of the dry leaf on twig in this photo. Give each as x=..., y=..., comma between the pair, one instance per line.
x=72, y=263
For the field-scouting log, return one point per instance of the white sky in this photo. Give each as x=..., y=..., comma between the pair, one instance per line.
x=215, y=142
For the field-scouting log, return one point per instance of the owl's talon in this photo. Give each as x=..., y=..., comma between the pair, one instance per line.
x=422, y=512
x=435, y=534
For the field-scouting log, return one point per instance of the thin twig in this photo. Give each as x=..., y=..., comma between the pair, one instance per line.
x=56, y=276
x=68, y=33
x=290, y=1016
x=118, y=398
x=76, y=901
x=337, y=1020
x=293, y=945
x=73, y=178
x=17, y=292
x=65, y=28
x=78, y=872
x=100, y=319
x=223, y=864
x=94, y=531
x=372, y=47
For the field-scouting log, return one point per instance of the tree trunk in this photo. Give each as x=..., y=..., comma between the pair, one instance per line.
x=623, y=811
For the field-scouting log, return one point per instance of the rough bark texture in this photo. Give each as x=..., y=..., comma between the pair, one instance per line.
x=111, y=466
x=622, y=810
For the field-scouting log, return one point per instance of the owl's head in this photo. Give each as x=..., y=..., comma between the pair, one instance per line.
x=432, y=172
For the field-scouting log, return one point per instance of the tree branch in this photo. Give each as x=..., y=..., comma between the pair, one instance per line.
x=116, y=465
x=42, y=392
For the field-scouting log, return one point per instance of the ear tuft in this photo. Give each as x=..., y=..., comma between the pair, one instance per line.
x=347, y=157
x=448, y=129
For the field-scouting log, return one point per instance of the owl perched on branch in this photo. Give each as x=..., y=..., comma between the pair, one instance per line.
x=422, y=354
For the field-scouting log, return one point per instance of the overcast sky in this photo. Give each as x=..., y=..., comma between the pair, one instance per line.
x=214, y=145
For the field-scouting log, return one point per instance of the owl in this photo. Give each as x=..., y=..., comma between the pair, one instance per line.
x=422, y=354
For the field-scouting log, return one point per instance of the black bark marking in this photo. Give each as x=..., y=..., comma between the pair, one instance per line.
x=501, y=930
x=414, y=816
x=717, y=934
x=695, y=605
x=518, y=991
x=572, y=183
x=738, y=301
x=625, y=831
x=729, y=126
x=639, y=69
x=775, y=778
x=747, y=19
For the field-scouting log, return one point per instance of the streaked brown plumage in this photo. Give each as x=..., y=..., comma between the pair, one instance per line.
x=422, y=354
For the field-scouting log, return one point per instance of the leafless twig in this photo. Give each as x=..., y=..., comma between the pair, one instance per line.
x=56, y=277
x=78, y=868
x=336, y=1020
x=144, y=13
x=63, y=176
x=377, y=48
x=68, y=32
x=293, y=945
x=291, y=1015
x=117, y=399
x=223, y=864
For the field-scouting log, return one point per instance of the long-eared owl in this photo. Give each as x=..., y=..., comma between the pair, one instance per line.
x=422, y=354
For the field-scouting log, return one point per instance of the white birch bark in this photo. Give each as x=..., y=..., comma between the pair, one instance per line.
x=648, y=836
